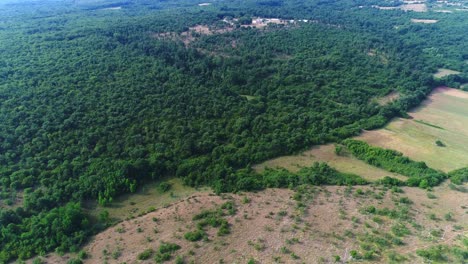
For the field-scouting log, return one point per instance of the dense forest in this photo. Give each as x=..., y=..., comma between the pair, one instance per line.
x=99, y=97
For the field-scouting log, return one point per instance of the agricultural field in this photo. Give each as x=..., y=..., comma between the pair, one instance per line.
x=326, y=153
x=310, y=225
x=442, y=117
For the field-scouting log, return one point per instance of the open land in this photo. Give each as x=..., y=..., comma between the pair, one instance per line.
x=444, y=72
x=443, y=116
x=320, y=225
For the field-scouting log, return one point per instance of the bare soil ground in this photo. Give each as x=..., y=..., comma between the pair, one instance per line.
x=443, y=116
x=279, y=226
x=326, y=153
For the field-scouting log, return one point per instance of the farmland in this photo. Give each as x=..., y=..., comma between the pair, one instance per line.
x=443, y=116
x=130, y=130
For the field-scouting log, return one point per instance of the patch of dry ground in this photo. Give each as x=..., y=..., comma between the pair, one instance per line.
x=414, y=7
x=444, y=72
x=443, y=116
x=326, y=153
x=424, y=21
x=192, y=33
x=279, y=226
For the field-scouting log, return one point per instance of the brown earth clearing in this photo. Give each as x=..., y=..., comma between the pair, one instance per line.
x=310, y=225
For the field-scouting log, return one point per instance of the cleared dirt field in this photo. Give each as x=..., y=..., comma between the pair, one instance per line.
x=326, y=224
x=444, y=72
x=326, y=153
x=443, y=116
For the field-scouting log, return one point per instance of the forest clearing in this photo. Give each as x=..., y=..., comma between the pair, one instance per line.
x=326, y=153
x=145, y=199
x=441, y=73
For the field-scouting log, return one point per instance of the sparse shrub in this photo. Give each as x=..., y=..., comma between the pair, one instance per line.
x=338, y=150
x=436, y=233
x=395, y=257
x=294, y=256
x=368, y=255
x=405, y=200
x=282, y=213
x=165, y=251
x=400, y=230
x=179, y=260
x=448, y=217
x=145, y=254
x=370, y=209
x=377, y=219
x=355, y=254
x=82, y=254
x=459, y=176
x=285, y=250
x=431, y=195
x=224, y=229
x=164, y=186
x=195, y=235
x=38, y=261
x=116, y=253
x=434, y=253
x=75, y=261
x=349, y=233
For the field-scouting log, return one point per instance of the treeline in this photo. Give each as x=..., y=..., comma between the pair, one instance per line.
x=61, y=229
x=317, y=174
x=418, y=172
x=459, y=176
